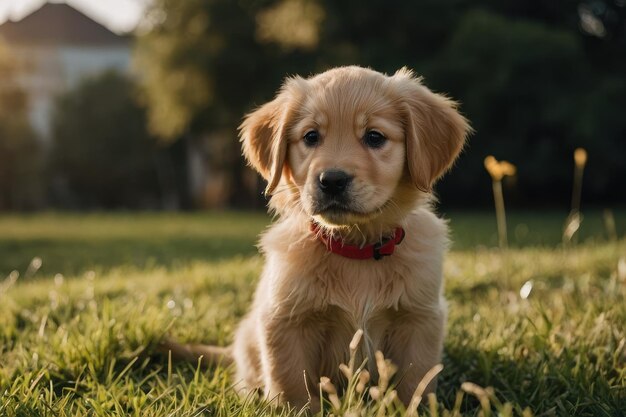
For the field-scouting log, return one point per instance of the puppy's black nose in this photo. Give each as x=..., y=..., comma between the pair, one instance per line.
x=334, y=182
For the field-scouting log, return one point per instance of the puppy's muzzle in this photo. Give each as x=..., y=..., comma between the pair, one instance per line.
x=333, y=183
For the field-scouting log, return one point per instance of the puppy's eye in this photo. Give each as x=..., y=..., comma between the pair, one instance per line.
x=374, y=139
x=311, y=138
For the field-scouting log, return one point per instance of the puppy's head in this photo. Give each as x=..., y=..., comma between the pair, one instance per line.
x=351, y=145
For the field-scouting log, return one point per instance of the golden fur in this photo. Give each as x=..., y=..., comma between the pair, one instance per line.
x=310, y=302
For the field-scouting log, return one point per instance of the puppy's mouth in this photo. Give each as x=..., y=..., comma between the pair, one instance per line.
x=339, y=213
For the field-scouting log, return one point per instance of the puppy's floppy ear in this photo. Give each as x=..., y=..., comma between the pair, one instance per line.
x=435, y=130
x=263, y=134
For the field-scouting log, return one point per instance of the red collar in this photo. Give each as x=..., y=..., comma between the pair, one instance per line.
x=376, y=251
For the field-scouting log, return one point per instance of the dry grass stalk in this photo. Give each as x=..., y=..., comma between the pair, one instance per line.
x=432, y=405
x=421, y=387
x=572, y=224
x=580, y=160
x=357, y=379
x=574, y=219
x=488, y=399
x=480, y=393
x=8, y=282
x=330, y=389
x=609, y=225
x=498, y=170
x=364, y=378
x=354, y=345
x=353, y=401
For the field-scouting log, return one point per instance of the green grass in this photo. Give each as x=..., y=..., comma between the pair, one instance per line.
x=78, y=335
x=72, y=244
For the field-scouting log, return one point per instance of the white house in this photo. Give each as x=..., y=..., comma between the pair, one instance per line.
x=56, y=47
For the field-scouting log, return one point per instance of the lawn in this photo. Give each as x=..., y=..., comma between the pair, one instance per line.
x=540, y=327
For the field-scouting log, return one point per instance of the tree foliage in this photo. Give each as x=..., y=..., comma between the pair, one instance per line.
x=537, y=79
x=200, y=64
x=103, y=155
x=202, y=68
x=20, y=154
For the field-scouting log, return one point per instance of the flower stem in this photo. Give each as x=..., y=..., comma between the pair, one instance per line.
x=500, y=213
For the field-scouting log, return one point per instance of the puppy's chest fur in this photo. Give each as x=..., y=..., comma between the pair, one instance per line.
x=362, y=290
x=304, y=283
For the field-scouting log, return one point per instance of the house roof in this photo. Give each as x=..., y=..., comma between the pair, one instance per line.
x=59, y=23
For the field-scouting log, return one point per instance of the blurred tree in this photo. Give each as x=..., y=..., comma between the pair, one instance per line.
x=196, y=64
x=386, y=35
x=522, y=84
x=203, y=64
x=103, y=155
x=537, y=79
x=20, y=154
x=533, y=92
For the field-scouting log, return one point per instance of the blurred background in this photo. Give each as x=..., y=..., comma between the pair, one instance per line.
x=134, y=104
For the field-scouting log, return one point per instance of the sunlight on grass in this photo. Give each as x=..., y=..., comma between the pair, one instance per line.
x=85, y=343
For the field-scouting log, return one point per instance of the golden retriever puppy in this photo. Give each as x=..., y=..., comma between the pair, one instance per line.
x=350, y=157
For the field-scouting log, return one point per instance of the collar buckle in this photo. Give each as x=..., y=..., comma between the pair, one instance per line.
x=376, y=253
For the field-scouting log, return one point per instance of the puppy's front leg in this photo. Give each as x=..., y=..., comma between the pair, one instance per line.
x=415, y=343
x=289, y=354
